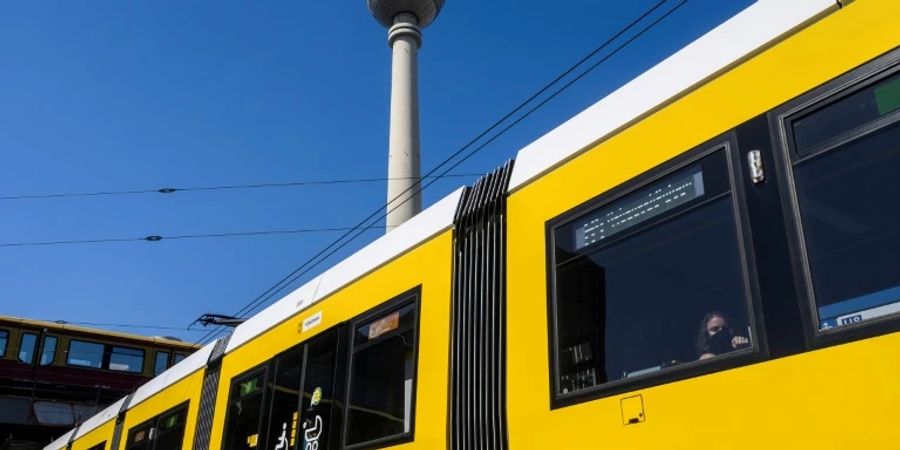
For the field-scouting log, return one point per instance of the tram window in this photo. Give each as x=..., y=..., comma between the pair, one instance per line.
x=48, y=351
x=381, y=377
x=161, y=363
x=139, y=438
x=846, y=196
x=178, y=358
x=170, y=431
x=285, y=396
x=163, y=432
x=245, y=406
x=649, y=281
x=100, y=446
x=846, y=114
x=124, y=359
x=4, y=338
x=85, y=354
x=27, y=345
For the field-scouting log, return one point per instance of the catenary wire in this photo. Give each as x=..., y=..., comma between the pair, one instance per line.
x=156, y=238
x=131, y=325
x=362, y=227
x=172, y=190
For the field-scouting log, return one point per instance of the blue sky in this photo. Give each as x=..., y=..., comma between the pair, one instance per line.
x=113, y=95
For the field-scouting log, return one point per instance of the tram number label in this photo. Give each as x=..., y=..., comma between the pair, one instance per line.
x=851, y=319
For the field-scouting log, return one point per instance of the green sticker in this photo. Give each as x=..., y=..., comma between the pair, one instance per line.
x=887, y=97
x=249, y=386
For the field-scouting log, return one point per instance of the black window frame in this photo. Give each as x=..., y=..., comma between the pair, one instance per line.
x=260, y=369
x=100, y=446
x=34, y=350
x=758, y=351
x=786, y=156
x=5, y=334
x=153, y=422
x=411, y=297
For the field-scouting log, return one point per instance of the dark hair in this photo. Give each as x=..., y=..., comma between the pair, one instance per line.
x=703, y=336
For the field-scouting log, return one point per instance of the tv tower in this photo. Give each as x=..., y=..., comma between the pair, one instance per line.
x=404, y=20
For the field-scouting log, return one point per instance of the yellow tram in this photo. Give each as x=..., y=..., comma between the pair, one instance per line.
x=706, y=257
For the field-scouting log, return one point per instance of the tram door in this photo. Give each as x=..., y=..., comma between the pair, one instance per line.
x=303, y=414
x=319, y=414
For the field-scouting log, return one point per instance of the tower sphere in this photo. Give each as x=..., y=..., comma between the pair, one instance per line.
x=424, y=10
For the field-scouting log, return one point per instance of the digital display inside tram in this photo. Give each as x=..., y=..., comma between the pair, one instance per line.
x=639, y=207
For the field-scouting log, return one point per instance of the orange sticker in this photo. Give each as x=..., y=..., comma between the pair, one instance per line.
x=385, y=324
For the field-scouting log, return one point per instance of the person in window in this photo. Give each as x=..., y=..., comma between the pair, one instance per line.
x=716, y=336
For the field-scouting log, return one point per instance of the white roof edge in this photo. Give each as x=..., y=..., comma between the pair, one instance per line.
x=433, y=220
x=194, y=362
x=60, y=442
x=734, y=40
x=97, y=420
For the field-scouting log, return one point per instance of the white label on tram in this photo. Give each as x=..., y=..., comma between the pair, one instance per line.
x=872, y=313
x=312, y=321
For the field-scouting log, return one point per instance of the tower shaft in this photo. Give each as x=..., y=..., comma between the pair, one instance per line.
x=403, y=198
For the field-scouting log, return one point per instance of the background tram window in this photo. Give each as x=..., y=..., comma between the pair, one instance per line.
x=48, y=350
x=847, y=197
x=85, y=354
x=124, y=359
x=4, y=339
x=630, y=303
x=27, y=346
x=381, y=377
x=100, y=446
x=160, y=363
x=245, y=413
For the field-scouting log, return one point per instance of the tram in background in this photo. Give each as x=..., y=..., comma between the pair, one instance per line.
x=707, y=256
x=55, y=375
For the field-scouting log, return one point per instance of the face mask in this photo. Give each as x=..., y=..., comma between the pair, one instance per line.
x=720, y=342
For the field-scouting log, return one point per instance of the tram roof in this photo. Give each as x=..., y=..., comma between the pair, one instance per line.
x=97, y=333
x=757, y=27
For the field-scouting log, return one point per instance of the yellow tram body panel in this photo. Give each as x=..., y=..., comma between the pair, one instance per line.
x=427, y=266
x=839, y=397
x=187, y=390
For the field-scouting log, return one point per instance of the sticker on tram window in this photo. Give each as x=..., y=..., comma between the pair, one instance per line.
x=384, y=325
x=249, y=386
x=887, y=97
x=858, y=309
x=316, y=397
x=252, y=440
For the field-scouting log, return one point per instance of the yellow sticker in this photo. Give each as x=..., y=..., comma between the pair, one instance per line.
x=316, y=397
x=251, y=440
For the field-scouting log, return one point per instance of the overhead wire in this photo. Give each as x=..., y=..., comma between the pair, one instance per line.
x=157, y=238
x=173, y=190
x=362, y=226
